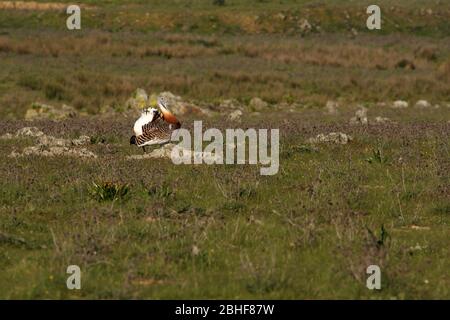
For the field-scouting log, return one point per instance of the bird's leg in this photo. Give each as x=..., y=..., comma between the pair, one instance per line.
x=143, y=148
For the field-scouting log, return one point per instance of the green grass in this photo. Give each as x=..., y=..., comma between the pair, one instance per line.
x=308, y=232
x=209, y=53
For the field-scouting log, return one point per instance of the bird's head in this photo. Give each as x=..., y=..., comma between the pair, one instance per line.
x=133, y=140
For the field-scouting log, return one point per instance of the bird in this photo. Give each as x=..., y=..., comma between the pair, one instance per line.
x=154, y=127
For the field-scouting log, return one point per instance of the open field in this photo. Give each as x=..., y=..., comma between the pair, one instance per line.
x=225, y=231
x=303, y=233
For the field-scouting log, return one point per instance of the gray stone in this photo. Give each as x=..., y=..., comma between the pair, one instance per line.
x=400, y=104
x=29, y=132
x=257, y=104
x=422, y=104
x=333, y=137
x=45, y=111
x=331, y=107
x=235, y=115
x=49, y=146
x=383, y=120
x=360, y=117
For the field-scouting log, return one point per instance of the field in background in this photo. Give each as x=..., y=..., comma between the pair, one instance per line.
x=235, y=51
x=225, y=231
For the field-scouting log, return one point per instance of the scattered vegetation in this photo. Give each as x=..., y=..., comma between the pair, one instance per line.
x=162, y=191
x=377, y=156
x=225, y=231
x=108, y=191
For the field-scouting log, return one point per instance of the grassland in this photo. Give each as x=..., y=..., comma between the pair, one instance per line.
x=225, y=231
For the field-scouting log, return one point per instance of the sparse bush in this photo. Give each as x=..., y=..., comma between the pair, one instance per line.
x=245, y=193
x=54, y=91
x=30, y=82
x=405, y=64
x=98, y=140
x=442, y=209
x=108, y=191
x=377, y=156
x=233, y=206
x=381, y=239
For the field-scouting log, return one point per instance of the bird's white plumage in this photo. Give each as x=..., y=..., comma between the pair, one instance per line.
x=147, y=116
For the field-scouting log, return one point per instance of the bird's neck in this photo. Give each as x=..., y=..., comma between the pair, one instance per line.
x=169, y=117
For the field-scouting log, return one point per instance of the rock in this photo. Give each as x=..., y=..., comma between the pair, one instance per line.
x=235, y=115
x=107, y=109
x=360, y=117
x=51, y=146
x=333, y=137
x=382, y=120
x=60, y=142
x=24, y=132
x=41, y=150
x=50, y=141
x=138, y=101
x=82, y=140
x=257, y=104
x=415, y=227
x=165, y=152
x=417, y=247
x=422, y=104
x=29, y=132
x=305, y=26
x=45, y=111
x=331, y=107
x=400, y=104
x=161, y=152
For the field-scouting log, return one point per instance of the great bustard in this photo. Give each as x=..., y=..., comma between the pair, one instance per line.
x=154, y=127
